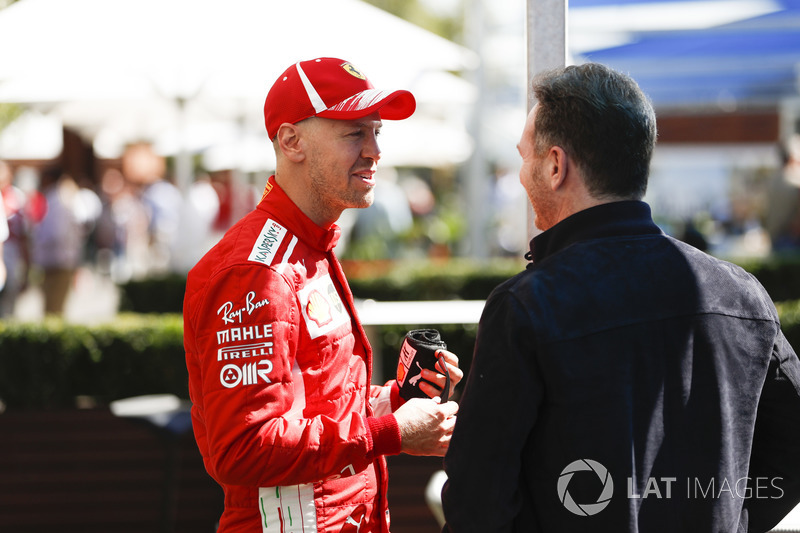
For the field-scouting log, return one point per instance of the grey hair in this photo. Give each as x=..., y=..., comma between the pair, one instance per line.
x=603, y=121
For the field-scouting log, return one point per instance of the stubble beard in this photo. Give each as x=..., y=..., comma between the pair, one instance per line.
x=541, y=202
x=335, y=199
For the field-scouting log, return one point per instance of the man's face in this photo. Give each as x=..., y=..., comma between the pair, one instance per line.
x=342, y=160
x=532, y=176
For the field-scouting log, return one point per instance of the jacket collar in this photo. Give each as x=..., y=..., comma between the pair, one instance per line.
x=276, y=200
x=607, y=220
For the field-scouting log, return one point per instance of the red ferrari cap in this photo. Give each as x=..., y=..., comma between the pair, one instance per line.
x=330, y=88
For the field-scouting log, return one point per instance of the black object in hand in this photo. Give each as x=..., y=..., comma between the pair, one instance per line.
x=418, y=352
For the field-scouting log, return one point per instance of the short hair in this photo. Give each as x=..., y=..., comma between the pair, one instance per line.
x=603, y=121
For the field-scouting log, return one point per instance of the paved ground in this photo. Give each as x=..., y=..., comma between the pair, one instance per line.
x=93, y=299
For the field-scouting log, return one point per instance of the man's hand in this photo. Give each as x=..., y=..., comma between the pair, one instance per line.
x=426, y=426
x=438, y=380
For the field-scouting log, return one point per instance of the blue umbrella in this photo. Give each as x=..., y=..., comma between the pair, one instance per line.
x=750, y=62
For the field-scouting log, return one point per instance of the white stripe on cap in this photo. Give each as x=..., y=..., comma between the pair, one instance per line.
x=362, y=100
x=316, y=100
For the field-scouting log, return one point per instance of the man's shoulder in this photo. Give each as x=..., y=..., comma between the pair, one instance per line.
x=254, y=242
x=257, y=252
x=642, y=267
x=258, y=239
x=711, y=268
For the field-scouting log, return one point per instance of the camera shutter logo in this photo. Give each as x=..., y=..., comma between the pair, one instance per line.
x=585, y=509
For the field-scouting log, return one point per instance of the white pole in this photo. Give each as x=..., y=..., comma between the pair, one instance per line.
x=546, y=37
x=546, y=47
x=183, y=158
x=477, y=172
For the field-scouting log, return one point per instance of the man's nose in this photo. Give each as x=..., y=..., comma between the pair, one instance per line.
x=371, y=149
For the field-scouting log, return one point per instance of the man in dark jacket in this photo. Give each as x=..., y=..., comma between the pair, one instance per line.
x=625, y=381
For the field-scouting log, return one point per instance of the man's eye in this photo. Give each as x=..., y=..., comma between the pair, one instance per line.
x=362, y=133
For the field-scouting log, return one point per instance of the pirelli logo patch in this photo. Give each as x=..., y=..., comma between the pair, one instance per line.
x=265, y=247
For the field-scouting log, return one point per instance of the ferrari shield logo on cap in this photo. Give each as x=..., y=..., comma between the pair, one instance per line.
x=353, y=71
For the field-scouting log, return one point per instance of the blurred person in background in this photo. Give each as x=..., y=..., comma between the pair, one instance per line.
x=3, y=239
x=509, y=206
x=59, y=239
x=122, y=236
x=782, y=216
x=691, y=234
x=235, y=197
x=88, y=208
x=198, y=213
x=283, y=408
x=625, y=381
x=146, y=171
x=378, y=230
x=16, y=249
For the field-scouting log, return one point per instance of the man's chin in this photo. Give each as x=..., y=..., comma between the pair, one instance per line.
x=365, y=201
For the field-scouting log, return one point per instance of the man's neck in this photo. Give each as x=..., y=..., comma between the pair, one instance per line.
x=296, y=189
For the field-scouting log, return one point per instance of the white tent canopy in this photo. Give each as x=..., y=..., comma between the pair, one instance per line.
x=122, y=70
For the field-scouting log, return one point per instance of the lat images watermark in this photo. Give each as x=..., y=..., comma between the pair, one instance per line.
x=759, y=488
x=596, y=475
x=585, y=509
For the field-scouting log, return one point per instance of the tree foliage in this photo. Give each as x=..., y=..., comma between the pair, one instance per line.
x=414, y=11
x=8, y=114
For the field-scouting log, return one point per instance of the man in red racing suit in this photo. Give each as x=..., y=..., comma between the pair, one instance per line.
x=279, y=366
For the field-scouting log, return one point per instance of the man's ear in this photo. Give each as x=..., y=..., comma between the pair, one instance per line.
x=558, y=165
x=288, y=142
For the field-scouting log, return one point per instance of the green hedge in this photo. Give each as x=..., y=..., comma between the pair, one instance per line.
x=50, y=364
x=435, y=280
x=153, y=295
x=418, y=280
x=779, y=274
x=431, y=280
